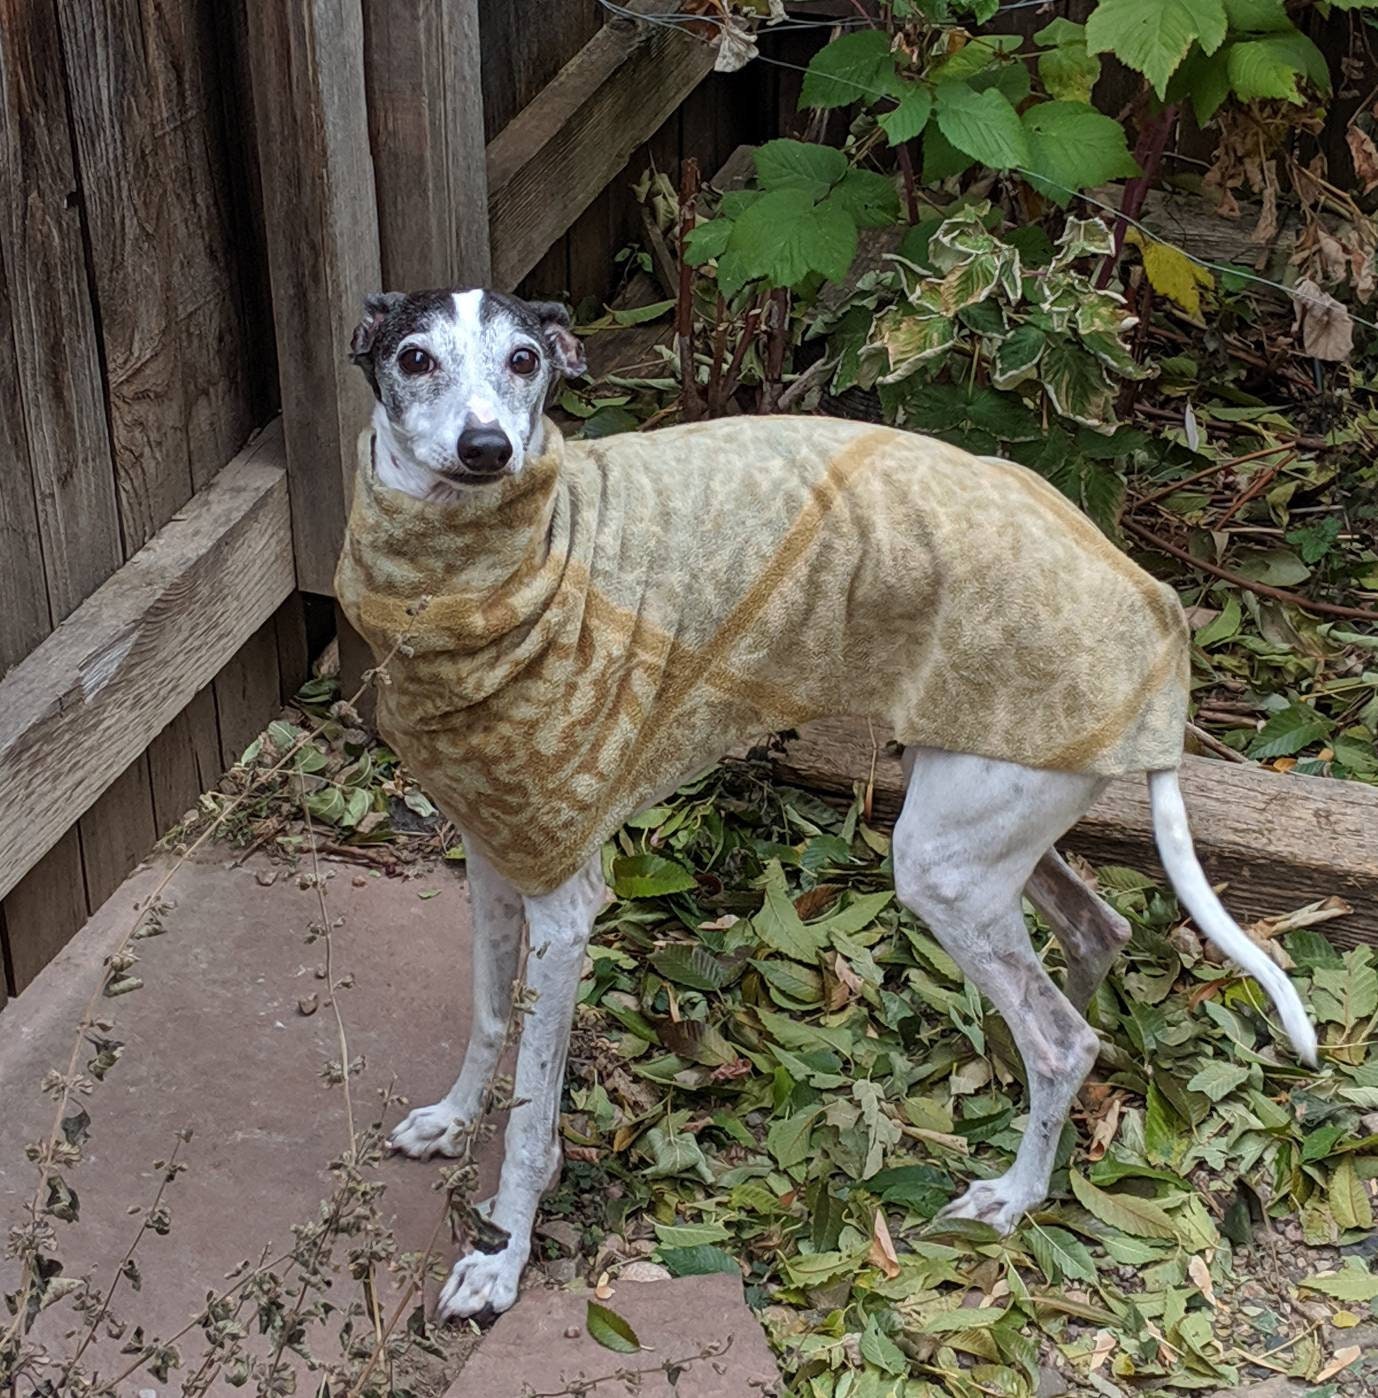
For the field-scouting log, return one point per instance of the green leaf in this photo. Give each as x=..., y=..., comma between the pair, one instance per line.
x=982, y=125
x=941, y=159
x=1075, y=384
x=788, y=1138
x=910, y=116
x=1061, y=1256
x=870, y=198
x=694, y=966
x=649, y=876
x=707, y=241
x=799, y=165
x=1066, y=70
x=879, y=1349
x=1271, y=67
x=610, y=1330
x=784, y=236
x=780, y=927
x=1153, y=36
x=1017, y=356
x=1353, y=1282
x=908, y=340
x=1218, y=1079
x=702, y=1260
x=1349, y=1200
x=852, y=68
x=1141, y=1218
x=1205, y=78
x=1073, y=146
x=1288, y=731
x=675, y=1153
x=1257, y=16
x=1223, y=627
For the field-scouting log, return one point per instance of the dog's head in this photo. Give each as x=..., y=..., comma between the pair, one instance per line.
x=463, y=377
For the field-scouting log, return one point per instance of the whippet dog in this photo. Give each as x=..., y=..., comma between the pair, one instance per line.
x=552, y=670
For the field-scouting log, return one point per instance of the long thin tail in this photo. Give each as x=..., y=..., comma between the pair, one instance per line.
x=1189, y=880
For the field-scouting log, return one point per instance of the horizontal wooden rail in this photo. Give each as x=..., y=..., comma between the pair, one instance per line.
x=554, y=158
x=1278, y=842
x=77, y=710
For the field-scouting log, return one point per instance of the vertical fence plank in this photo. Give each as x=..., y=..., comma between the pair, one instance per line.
x=425, y=111
x=44, y=909
x=322, y=225
x=24, y=618
x=60, y=395
x=184, y=760
x=117, y=831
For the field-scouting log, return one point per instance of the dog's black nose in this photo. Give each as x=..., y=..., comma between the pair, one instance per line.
x=484, y=450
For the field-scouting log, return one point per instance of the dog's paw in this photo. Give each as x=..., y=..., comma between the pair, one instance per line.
x=427, y=1131
x=483, y=1284
x=999, y=1202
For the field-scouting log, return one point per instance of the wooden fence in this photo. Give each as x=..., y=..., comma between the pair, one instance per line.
x=196, y=195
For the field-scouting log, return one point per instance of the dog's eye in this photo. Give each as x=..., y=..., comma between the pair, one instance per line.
x=415, y=361
x=523, y=362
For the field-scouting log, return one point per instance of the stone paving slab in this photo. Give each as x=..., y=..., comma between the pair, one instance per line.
x=216, y=1042
x=542, y=1344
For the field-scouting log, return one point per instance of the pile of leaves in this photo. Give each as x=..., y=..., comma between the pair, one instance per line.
x=777, y=1071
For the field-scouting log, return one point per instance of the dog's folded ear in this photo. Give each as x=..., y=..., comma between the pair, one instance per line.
x=377, y=306
x=564, y=344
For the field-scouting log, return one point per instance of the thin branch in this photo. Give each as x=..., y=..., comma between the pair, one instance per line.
x=1248, y=584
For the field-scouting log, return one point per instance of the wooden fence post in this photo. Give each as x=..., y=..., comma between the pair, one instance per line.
x=321, y=218
x=425, y=112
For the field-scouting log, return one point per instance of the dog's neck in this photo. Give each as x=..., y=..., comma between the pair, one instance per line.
x=398, y=471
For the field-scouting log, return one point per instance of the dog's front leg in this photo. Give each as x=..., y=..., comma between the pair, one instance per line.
x=497, y=941
x=559, y=924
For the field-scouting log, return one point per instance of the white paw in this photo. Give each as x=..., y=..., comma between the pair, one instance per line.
x=428, y=1131
x=999, y=1202
x=483, y=1281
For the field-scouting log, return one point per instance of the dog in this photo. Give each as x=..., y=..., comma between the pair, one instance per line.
x=571, y=629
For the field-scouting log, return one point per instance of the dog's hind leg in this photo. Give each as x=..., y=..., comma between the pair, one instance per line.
x=560, y=924
x=497, y=942
x=970, y=835
x=1091, y=932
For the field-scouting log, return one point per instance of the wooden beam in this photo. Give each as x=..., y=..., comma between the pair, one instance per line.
x=1277, y=842
x=322, y=225
x=425, y=116
x=552, y=160
x=90, y=698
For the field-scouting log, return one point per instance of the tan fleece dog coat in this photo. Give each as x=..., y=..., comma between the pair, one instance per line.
x=623, y=611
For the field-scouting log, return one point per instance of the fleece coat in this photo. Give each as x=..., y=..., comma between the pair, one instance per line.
x=621, y=612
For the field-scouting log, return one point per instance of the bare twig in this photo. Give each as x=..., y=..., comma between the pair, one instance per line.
x=1248, y=584
x=1212, y=470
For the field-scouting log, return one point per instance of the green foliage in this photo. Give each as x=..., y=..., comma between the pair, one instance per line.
x=816, y=1158
x=968, y=344
x=801, y=224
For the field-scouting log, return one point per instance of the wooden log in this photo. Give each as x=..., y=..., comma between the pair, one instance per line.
x=552, y=160
x=92, y=696
x=322, y=225
x=425, y=114
x=1277, y=842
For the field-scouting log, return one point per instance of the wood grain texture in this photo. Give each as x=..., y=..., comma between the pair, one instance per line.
x=117, y=831
x=24, y=617
x=106, y=683
x=1277, y=842
x=130, y=108
x=45, y=909
x=184, y=760
x=580, y=132
x=248, y=693
x=60, y=397
x=525, y=43
x=425, y=115
x=321, y=218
